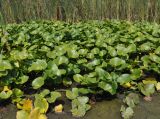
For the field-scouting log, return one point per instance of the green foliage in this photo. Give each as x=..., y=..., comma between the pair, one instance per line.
x=95, y=56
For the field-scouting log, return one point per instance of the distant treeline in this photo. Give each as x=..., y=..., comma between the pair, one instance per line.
x=77, y=10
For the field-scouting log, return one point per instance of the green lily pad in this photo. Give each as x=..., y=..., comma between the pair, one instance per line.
x=72, y=94
x=38, y=65
x=124, y=78
x=78, y=78
x=109, y=87
x=115, y=62
x=41, y=103
x=38, y=82
x=54, y=96
x=5, y=94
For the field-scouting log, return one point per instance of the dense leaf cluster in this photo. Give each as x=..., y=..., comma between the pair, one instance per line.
x=95, y=56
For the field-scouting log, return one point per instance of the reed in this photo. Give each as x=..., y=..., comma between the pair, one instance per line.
x=77, y=10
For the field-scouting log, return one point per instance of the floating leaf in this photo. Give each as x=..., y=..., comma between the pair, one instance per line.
x=80, y=106
x=38, y=82
x=22, y=114
x=78, y=78
x=6, y=93
x=146, y=89
x=124, y=78
x=54, y=96
x=38, y=65
x=21, y=80
x=108, y=87
x=149, y=80
x=45, y=92
x=4, y=65
x=72, y=94
x=61, y=60
x=116, y=62
x=36, y=114
x=19, y=55
x=158, y=86
x=72, y=53
x=131, y=99
x=41, y=103
x=127, y=113
x=131, y=48
x=112, y=51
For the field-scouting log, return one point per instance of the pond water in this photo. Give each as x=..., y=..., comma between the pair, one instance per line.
x=106, y=109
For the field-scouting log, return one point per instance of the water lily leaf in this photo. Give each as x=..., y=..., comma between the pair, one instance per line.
x=127, y=85
x=61, y=49
x=83, y=99
x=84, y=91
x=157, y=51
x=111, y=88
x=90, y=55
x=61, y=60
x=78, y=78
x=45, y=92
x=116, y=62
x=155, y=58
x=83, y=52
x=22, y=114
x=21, y=80
x=78, y=112
x=4, y=65
x=158, y=86
x=67, y=82
x=38, y=82
x=80, y=106
x=6, y=93
x=112, y=51
x=95, y=62
x=102, y=74
x=41, y=103
x=146, y=60
x=146, y=46
x=72, y=94
x=89, y=80
x=81, y=61
x=131, y=48
x=36, y=114
x=17, y=92
x=19, y=55
x=149, y=80
x=146, y=89
x=72, y=53
x=121, y=50
x=44, y=49
x=51, y=54
x=127, y=113
x=95, y=51
x=136, y=73
x=131, y=100
x=3, y=73
x=54, y=96
x=38, y=65
x=124, y=78
x=52, y=70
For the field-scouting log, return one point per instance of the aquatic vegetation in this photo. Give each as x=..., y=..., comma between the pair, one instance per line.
x=40, y=61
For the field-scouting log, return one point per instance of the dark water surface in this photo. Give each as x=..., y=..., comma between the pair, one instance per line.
x=101, y=110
